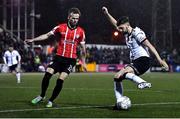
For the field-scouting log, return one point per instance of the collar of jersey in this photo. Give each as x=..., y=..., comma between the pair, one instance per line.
x=69, y=26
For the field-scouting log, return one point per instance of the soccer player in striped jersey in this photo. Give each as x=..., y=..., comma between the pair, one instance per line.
x=71, y=35
x=137, y=42
x=12, y=59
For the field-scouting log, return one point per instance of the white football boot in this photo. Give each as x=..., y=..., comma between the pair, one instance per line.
x=144, y=85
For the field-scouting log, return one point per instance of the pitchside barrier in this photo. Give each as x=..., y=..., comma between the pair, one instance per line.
x=93, y=67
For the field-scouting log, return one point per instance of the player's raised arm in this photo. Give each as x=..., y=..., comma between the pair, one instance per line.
x=39, y=38
x=154, y=51
x=110, y=17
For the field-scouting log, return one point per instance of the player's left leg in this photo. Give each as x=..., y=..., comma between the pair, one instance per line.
x=118, y=86
x=16, y=71
x=18, y=74
x=57, y=89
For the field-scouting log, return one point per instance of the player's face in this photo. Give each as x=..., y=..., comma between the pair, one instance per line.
x=123, y=28
x=73, y=19
x=11, y=49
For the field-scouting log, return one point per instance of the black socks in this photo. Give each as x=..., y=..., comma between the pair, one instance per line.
x=57, y=89
x=120, y=78
x=45, y=83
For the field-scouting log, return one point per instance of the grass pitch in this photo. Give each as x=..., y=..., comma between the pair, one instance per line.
x=90, y=95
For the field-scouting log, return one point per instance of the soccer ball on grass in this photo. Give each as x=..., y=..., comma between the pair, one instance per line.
x=124, y=103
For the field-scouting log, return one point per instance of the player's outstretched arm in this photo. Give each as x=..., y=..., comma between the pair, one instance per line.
x=154, y=51
x=39, y=38
x=110, y=17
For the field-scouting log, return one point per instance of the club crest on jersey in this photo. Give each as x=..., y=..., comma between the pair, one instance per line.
x=77, y=36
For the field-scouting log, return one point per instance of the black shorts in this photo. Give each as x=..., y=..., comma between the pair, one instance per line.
x=140, y=65
x=13, y=67
x=62, y=64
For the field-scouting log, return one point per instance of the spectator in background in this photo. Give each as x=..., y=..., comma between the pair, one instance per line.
x=37, y=62
x=78, y=65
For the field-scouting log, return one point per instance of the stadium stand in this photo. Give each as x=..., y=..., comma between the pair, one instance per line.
x=99, y=55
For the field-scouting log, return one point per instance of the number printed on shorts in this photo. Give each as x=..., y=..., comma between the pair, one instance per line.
x=70, y=68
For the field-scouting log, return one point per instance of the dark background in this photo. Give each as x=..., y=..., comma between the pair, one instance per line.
x=98, y=29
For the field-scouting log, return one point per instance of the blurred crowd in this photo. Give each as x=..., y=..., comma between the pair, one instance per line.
x=37, y=58
x=108, y=55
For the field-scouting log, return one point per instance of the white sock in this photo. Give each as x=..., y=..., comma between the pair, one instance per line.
x=118, y=89
x=18, y=76
x=134, y=78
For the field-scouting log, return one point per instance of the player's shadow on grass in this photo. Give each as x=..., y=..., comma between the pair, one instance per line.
x=68, y=104
x=105, y=107
x=108, y=107
x=40, y=104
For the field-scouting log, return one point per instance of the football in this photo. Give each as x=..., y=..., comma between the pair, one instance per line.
x=124, y=104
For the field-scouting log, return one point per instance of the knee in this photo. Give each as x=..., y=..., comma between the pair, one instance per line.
x=119, y=78
x=63, y=76
x=47, y=75
x=117, y=75
x=50, y=70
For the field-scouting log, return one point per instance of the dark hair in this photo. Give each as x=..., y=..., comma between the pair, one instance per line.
x=74, y=10
x=11, y=45
x=122, y=20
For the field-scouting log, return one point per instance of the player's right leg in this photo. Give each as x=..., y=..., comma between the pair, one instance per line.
x=141, y=84
x=130, y=75
x=139, y=66
x=144, y=85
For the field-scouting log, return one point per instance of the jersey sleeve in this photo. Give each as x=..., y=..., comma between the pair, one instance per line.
x=4, y=57
x=18, y=55
x=141, y=36
x=82, y=37
x=55, y=30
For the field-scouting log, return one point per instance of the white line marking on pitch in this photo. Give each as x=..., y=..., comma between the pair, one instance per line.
x=80, y=107
x=97, y=89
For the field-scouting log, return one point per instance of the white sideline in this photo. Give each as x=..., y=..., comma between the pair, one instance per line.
x=80, y=107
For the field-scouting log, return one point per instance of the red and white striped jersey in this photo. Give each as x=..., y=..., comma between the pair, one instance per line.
x=69, y=39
